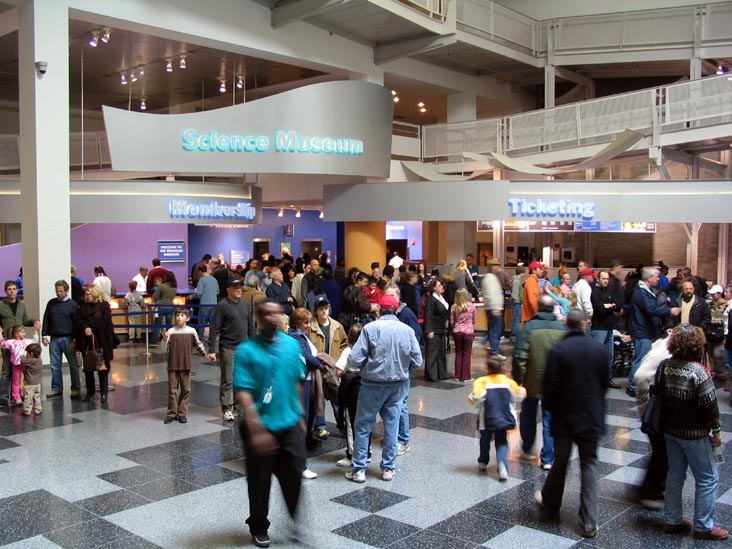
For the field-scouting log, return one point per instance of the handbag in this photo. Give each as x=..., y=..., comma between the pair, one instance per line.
x=93, y=358
x=652, y=420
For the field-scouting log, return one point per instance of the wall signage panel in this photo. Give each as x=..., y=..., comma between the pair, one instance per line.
x=172, y=251
x=339, y=128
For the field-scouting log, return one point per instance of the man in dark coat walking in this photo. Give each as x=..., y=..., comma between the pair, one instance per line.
x=574, y=391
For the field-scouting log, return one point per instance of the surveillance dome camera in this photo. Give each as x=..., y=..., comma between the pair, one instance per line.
x=41, y=67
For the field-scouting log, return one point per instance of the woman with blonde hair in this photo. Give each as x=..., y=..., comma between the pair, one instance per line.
x=94, y=329
x=462, y=319
x=463, y=278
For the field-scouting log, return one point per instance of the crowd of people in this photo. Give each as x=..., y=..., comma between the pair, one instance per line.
x=355, y=338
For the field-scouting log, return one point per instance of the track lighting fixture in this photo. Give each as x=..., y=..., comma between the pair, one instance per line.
x=106, y=31
x=141, y=72
x=222, y=86
x=321, y=214
x=396, y=99
x=720, y=70
x=298, y=213
x=182, y=63
x=281, y=213
x=169, y=65
x=133, y=76
x=94, y=40
x=123, y=78
x=239, y=82
x=143, y=105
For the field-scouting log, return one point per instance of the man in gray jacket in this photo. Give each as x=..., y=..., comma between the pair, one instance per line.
x=386, y=351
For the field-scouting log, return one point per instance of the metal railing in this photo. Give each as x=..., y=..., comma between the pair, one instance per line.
x=693, y=104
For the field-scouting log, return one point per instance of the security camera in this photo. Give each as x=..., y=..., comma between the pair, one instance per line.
x=41, y=67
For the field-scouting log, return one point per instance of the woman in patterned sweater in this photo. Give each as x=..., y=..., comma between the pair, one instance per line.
x=692, y=429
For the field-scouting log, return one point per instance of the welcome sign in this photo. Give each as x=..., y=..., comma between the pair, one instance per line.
x=334, y=128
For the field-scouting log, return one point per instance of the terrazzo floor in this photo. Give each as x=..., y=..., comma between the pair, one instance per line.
x=91, y=475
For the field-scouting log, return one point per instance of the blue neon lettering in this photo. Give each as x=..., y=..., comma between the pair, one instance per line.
x=284, y=142
x=544, y=208
x=180, y=208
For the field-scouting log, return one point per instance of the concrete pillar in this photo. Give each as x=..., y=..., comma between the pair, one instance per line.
x=44, y=149
x=695, y=68
x=365, y=243
x=462, y=107
x=723, y=254
x=550, y=80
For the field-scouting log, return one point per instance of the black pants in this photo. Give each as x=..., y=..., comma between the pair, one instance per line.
x=435, y=351
x=103, y=380
x=655, y=482
x=287, y=464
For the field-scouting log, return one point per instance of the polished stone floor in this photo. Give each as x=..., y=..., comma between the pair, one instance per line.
x=112, y=475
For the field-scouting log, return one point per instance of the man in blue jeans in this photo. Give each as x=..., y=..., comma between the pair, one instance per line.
x=646, y=320
x=385, y=353
x=535, y=341
x=58, y=325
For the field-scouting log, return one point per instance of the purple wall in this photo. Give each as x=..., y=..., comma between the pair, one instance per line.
x=11, y=258
x=212, y=240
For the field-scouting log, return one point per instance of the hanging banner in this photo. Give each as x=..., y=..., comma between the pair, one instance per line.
x=334, y=128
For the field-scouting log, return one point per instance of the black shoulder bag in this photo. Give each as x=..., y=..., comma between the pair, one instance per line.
x=652, y=420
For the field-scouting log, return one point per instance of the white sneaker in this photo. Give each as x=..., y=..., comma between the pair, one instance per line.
x=388, y=474
x=500, y=356
x=403, y=449
x=228, y=415
x=309, y=475
x=345, y=462
x=524, y=456
x=356, y=476
x=502, y=472
x=482, y=466
x=546, y=466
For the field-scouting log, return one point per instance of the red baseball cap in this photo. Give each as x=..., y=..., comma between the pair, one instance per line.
x=587, y=272
x=389, y=302
x=535, y=265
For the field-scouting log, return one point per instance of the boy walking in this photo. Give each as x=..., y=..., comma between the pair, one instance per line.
x=134, y=302
x=179, y=341
x=494, y=394
x=33, y=366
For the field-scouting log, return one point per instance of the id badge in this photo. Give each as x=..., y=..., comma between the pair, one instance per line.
x=267, y=396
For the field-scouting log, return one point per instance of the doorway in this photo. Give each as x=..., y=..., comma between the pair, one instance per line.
x=397, y=245
x=311, y=247
x=260, y=246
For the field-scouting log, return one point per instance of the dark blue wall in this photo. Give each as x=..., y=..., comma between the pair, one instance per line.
x=213, y=240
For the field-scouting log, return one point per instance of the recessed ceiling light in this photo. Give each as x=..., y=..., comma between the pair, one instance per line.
x=422, y=110
x=420, y=104
x=396, y=99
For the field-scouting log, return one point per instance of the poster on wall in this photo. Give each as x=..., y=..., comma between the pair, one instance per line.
x=238, y=257
x=172, y=251
x=285, y=248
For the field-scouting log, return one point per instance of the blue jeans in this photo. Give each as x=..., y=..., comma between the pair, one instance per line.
x=501, y=446
x=164, y=318
x=59, y=347
x=698, y=455
x=385, y=400
x=516, y=308
x=203, y=310
x=495, y=330
x=606, y=338
x=403, y=435
x=527, y=428
x=640, y=350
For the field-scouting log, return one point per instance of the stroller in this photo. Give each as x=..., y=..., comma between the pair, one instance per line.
x=623, y=356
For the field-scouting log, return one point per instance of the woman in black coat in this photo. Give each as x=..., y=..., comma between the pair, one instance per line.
x=94, y=318
x=436, y=316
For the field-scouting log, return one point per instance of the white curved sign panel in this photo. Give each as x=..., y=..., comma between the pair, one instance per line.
x=334, y=128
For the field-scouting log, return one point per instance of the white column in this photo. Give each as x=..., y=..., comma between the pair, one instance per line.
x=461, y=107
x=723, y=254
x=550, y=80
x=44, y=148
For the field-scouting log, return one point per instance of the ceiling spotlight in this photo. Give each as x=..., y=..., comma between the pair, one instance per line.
x=321, y=214
x=122, y=78
x=222, y=86
x=182, y=63
x=420, y=104
x=106, y=31
x=396, y=99
x=281, y=212
x=239, y=82
x=298, y=213
x=393, y=92
x=94, y=40
x=133, y=76
x=720, y=70
x=422, y=110
x=141, y=72
x=169, y=66
x=143, y=105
